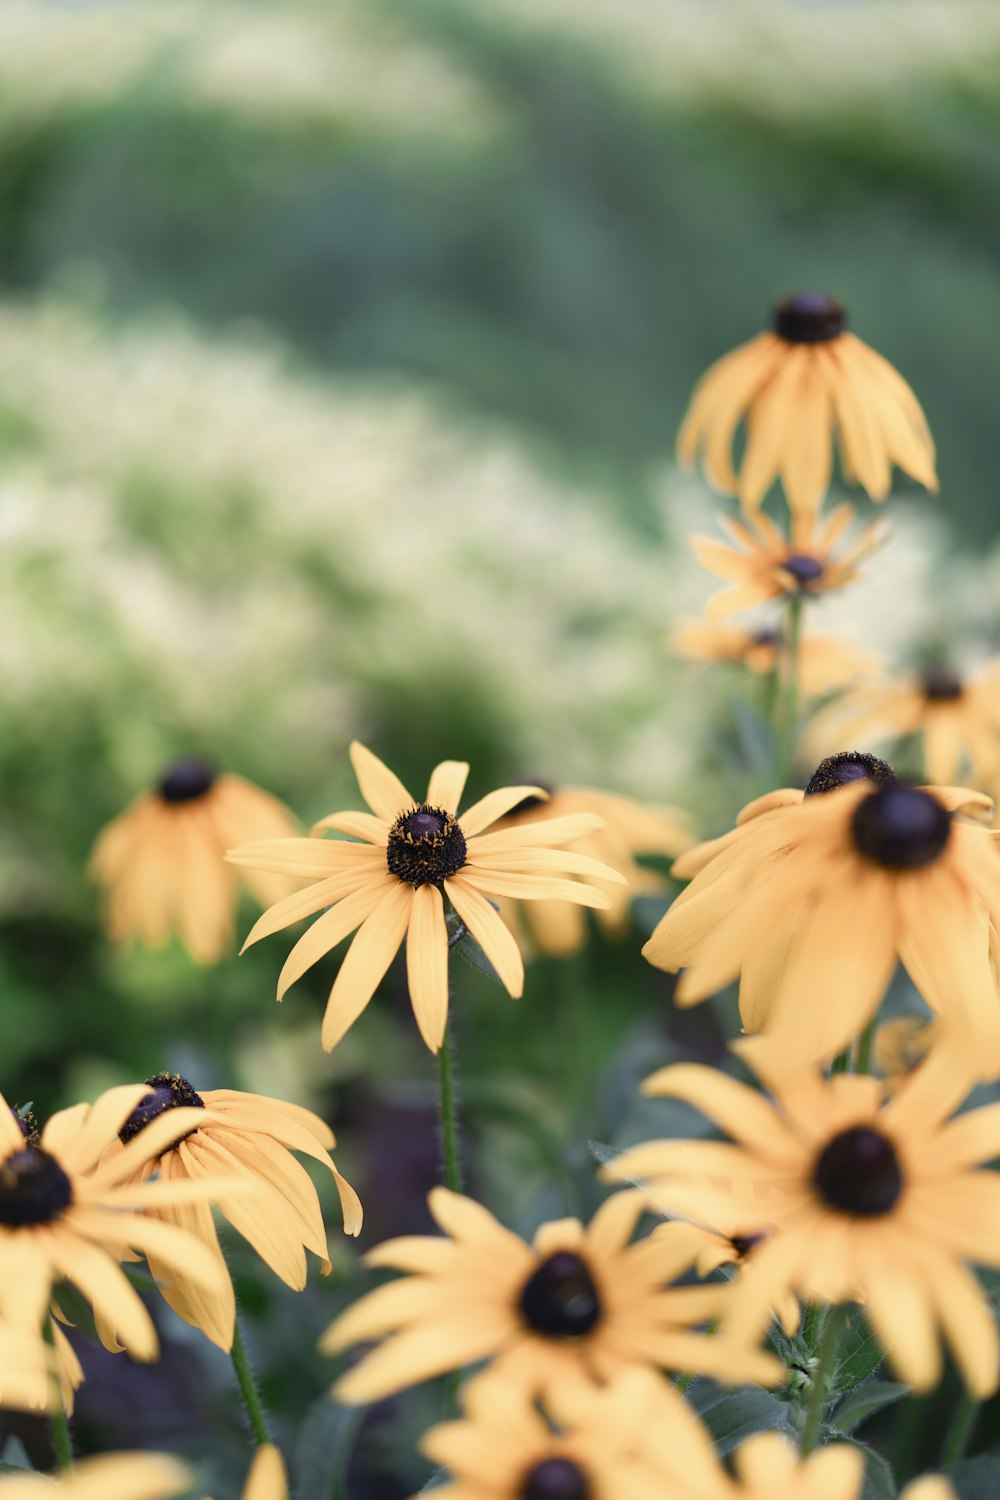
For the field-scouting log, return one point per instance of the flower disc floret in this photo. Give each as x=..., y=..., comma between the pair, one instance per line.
x=803, y=568
x=556, y=1479
x=901, y=828
x=560, y=1298
x=859, y=1173
x=425, y=846
x=166, y=1091
x=187, y=779
x=941, y=685
x=846, y=767
x=34, y=1189
x=809, y=318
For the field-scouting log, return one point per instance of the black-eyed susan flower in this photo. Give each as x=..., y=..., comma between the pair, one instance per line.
x=814, y=899
x=388, y=881
x=768, y=1467
x=867, y=1200
x=161, y=863
x=762, y=563
x=713, y=1249
x=795, y=387
x=627, y=831
x=573, y=1308
x=825, y=663
x=957, y=718
x=238, y=1137
x=66, y=1215
x=116, y=1476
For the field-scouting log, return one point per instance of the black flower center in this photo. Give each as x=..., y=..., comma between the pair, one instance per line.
x=941, y=685
x=26, y=1123
x=555, y=1479
x=846, y=767
x=166, y=1091
x=901, y=827
x=803, y=568
x=809, y=318
x=744, y=1243
x=425, y=846
x=560, y=1299
x=858, y=1172
x=34, y=1189
x=768, y=636
x=528, y=804
x=188, y=778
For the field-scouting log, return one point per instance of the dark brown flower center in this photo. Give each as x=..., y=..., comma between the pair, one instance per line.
x=767, y=636
x=858, y=1172
x=941, y=685
x=809, y=318
x=848, y=766
x=901, y=827
x=560, y=1298
x=744, y=1243
x=186, y=780
x=425, y=846
x=34, y=1189
x=166, y=1091
x=555, y=1479
x=803, y=568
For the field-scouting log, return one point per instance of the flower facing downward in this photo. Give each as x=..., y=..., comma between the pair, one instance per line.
x=795, y=387
x=569, y=1310
x=389, y=883
x=245, y=1138
x=866, y=1200
x=825, y=663
x=115, y=1476
x=161, y=862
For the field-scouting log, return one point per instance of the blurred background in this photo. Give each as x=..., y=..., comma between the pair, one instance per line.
x=342, y=349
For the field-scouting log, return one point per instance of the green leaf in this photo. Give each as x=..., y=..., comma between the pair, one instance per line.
x=15, y=1455
x=880, y=1482
x=323, y=1447
x=976, y=1478
x=865, y=1402
x=732, y=1416
x=859, y=1354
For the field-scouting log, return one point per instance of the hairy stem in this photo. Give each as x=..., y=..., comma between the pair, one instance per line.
x=821, y=1379
x=787, y=707
x=448, y=1106
x=249, y=1391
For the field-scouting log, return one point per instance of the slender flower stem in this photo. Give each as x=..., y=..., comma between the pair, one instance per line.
x=865, y=1044
x=821, y=1378
x=61, y=1439
x=787, y=708
x=448, y=1105
x=256, y=1415
x=960, y=1430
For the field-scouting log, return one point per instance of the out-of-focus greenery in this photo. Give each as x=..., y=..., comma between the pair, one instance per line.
x=342, y=346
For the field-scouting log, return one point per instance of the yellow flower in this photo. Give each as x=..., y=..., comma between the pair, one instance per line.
x=161, y=867
x=388, y=881
x=116, y=1476
x=711, y=1249
x=64, y=1214
x=795, y=386
x=29, y=1373
x=815, y=898
x=628, y=829
x=572, y=1308
x=957, y=718
x=825, y=663
x=764, y=564
x=866, y=1200
x=768, y=1467
x=240, y=1137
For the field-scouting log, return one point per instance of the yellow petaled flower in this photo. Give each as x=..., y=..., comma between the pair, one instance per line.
x=711, y=1249
x=389, y=881
x=30, y=1374
x=768, y=1467
x=161, y=863
x=628, y=829
x=825, y=663
x=866, y=1200
x=814, y=899
x=66, y=1214
x=240, y=1137
x=957, y=718
x=764, y=564
x=572, y=1308
x=795, y=387
x=116, y=1476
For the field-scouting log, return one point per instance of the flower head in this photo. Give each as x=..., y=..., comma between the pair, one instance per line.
x=863, y=1199
x=161, y=866
x=245, y=1138
x=571, y=1309
x=795, y=387
x=825, y=663
x=390, y=882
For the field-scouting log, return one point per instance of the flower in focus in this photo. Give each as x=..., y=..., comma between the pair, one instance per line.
x=872, y=1201
x=388, y=880
x=795, y=386
x=764, y=564
x=957, y=718
x=814, y=899
x=825, y=663
x=66, y=1214
x=161, y=866
x=116, y=1476
x=627, y=829
x=571, y=1309
x=239, y=1137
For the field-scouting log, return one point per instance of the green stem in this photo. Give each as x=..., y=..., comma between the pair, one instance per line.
x=960, y=1430
x=865, y=1044
x=821, y=1379
x=61, y=1439
x=787, y=710
x=683, y=1381
x=451, y=1158
x=252, y=1402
